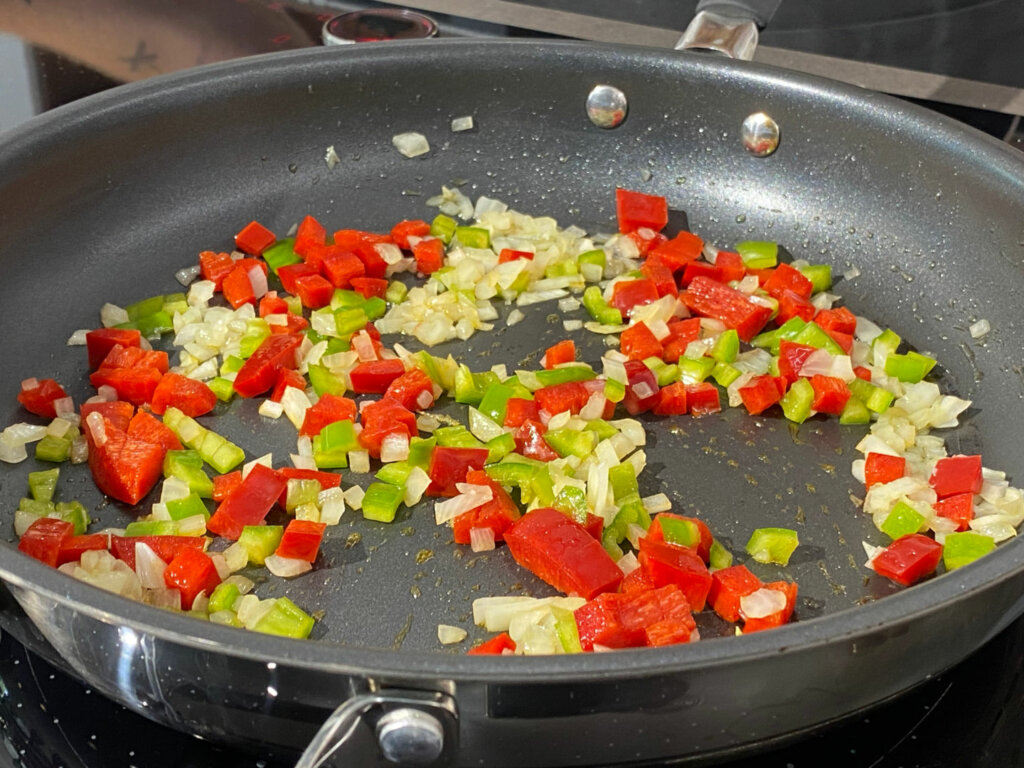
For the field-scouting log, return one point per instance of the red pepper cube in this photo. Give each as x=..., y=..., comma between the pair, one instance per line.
x=191, y=396
x=661, y=275
x=381, y=418
x=730, y=266
x=39, y=396
x=123, y=467
x=118, y=412
x=956, y=474
x=146, y=427
x=429, y=255
x=215, y=267
x=570, y=396
x=697, y=531
x=530, y=442
x=959, y=507
x=908, y=559
x=792, y=357
x=666, y=563
x=73, y=547
x=862, y=372
x=191, y=572
x=224, y=484
x=272, y=304
x=44, y=538
x=646, y=239
x=286, y=377
x=341, y=267
x=679, y=251
x=518, y=410
x=559, y=551
x=301, y=540
x=249, y=503
x=562, y=352
x=837, y=319
x=791, y=305
x=787, y=278
x=135, y=357
x=780, y=617
x=627, y=294
x=760, y=393
x=680, y=334
x=496, y=646
x=254, y=239
x=372, y=260
x=403, y=230
x=369, y=287
x=290, y=273
x=636, y=209
x=641, y=388
x=414, y=389
x=450, y=465
x=375, y=376
x=728, y=585
x=102, y=340
x=314, y=291
x=697, y=269
x=259, y=372
x=237, y=287
x=510, y=254
x=327, y=410
x=498, y=514
x=702, y=399
x=830, y=394
x=671, y=400
x=882, y=468
x=844, y=340
x=165, y=547
x=638, y=342
x=709, y=298
x=599, y=623
x=310, y=234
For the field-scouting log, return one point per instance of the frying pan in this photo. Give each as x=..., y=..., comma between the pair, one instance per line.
x=104, y=200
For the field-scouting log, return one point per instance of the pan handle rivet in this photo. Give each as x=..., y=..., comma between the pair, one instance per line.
x=607, y=106
x=760, y=134
x=409, y=736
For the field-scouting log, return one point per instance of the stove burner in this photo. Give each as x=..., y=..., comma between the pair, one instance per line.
x=378, y=25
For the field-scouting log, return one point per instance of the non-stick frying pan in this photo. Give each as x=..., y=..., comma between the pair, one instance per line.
x=104, y=200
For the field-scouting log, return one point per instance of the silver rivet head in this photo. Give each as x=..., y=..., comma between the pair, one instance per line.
x=607, y=106
x=409, y=736
x=760, y=134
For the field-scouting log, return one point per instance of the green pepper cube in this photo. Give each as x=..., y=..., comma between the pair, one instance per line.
x=599, y=309
x=151, y=528
x=349, y=320
x=187, y=465
x=814, y=335
x=602, y=429
x=325, y=382
x=301, y=491
x=614, y=391
x=902, y=520
x=281, y=254
x=457, y=436
x=145, y=307
x=677, y=531
x=695, y=370
x=494, y=402
x=758, y=254
x=500, y=446
x=72, y=512
x=910, y=368
x=569, y=442
x=727, y=346
x=37, y=508
x=396, y=473
x=52, y=448
x=43, y=484
x=285, y=619
x=231, y=364
x=596, y=256
x=820, y=276
x=256, y=331
x=622, y=478
x=542, y=486
x=223, y=597
x=443, y=227
x=381, y=502
x=719, y=557
x=223, y=388
x=473, y=237
x=420, y=451
x=396, y=292
x=566, y=630
x=189, y=506
x=573, y=501
x=610, y=542
x=855, y=412
x=772, y=545
x=796, y=403
x=965, y=547
x=874, y=397
x=725, y=374
x=260, y=541
x=565, y=374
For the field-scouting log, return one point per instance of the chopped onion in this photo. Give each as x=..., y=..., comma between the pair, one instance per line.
x=111, y=315
x=764, y=602
x=469, y=497
x=258, y=280
x=464, y=123
x=359, y=462
x=449, y=635
x=410, y=144
x=656, y=503
x=979, y=328
x=236, y=556
x=481, y=539
x=295, y=403
x=394, y=447
x=77, y=339
x=272, y=409
x=628, y=563
x=331, y=157
x=287, y=567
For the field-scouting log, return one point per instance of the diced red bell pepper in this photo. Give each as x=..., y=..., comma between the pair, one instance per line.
x=100, y=341
x=165, y=547
x=844, y=340
x=636, y=581
x=73, y=547
x=730, y=266
x=237, y=286
x=530, y=442
x=882, y=468
x=498, y=514
x=375, y=376
x=562, y=352
x=594, y=525
x=570, y=396
x=702, y=399
x=704, y=537
x=518, y=410
x=649, y=617
x=780, y=617
x=449, y=465
x=403, y=230
x=680, y=334
x=509, y=254
x=384, y=417
x=668, y=563
x=215, y=267
x=259, y=372
x=496, y=646
x=711, y=299
x=370, y=287
x=311, y=233
x=191, y=572
x=696, y=269
x=792, y=357
x=372, y=260
x=679, y=251
x=353, y=238
x=249, y=503
x=254, y=239
x=272, y=304
x=135, y=357
x=627, y=294
x=956, y=474
x=44, y=538
x=429, y=255
x=661, y=275
x=638, y=342
x=190, y=396
x=599, y=622
x=760, y=393
x=414, y=389
x=341, y=267
x=641, y=388
x=286, y=377
x=146, y=427
x=837, y=319
x=791, y=305
x=636, y=209
x=671, y=400
x=292, y=324
x=123, y=467
x=314, y=291
x=830, y=394
x=646, y=239
x=38, y=399
x=289, y=274
x=118, y=412
x=327, y=410
x=862, y=372
x=301, y=540
x=558, y=550
x=959, y=507
x=224, y=484
x=908, y=559
x=728, y=585
x=788, y=278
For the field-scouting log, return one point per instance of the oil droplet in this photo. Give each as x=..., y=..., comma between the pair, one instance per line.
x=423, y=555
x=353, y=539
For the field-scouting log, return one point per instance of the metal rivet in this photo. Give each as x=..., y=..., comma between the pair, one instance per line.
x=607, y=106
x=410, y=736
x=760, y=134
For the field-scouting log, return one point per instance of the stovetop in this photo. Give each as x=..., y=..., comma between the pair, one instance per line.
x=954, y=56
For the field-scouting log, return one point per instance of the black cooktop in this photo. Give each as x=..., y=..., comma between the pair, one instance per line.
x=55, y=52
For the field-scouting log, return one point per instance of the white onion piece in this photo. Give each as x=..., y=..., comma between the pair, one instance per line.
x=295, y=403
x=77, y=339
x=410, y=144
x=470, y=497
x=272, y=409
x=448, y=635
x=258, y=281
x=656, y=503
x=481, y=539
x=332, y=505
x=394, y=447
x=237, y=557
x=764, y=602
x=359, y=462
x=482, y=426
x=111, y=315
x=287, y=567
x=628, y=563
x=464, y=123
x=187, y=275
x=220, y=562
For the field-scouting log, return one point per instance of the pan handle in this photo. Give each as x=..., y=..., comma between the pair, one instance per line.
x=729, y=27
x=410, y=728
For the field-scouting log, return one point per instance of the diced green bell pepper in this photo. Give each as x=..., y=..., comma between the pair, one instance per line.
x=820, y=276
x=910, y=368
x=902, y=520
x=281, y=254
x=758, y=254
x=187, y=465
x=599, y=309
x=813, y=335
x=443, y=227
x=695, y=370
x=223, y=597
x=565, y=374
x=473, y=237
x=570, y=442
x=381, y=502
x=500, y=446
x=965, y=547
x=573, y=501
x=420, y=451
x=52, y=448
x=223, y=388
x=874, y=397
x=323, y=381
x=796, y=403
x=260, y=541
x=300, y=491
x=285, y=619
x=772, y=545
x=726, y=347
x=725, y=374
x=719, y=557
x=855, y=412
x=43, y=484
x=332, y=445
x=495, y=401
x=396, y=473
x=566, y=630
x=189, y=506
